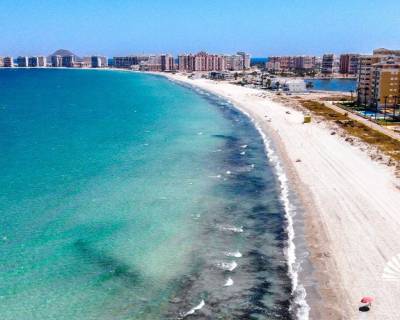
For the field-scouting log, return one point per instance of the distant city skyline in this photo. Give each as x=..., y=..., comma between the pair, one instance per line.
x=261, y=28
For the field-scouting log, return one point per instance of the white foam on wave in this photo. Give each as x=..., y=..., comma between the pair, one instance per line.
x=228, y=282
x=194, y=309
x=227, y=266
x=232, y=229
x=298, y=291
x=218, y=176
x=235, y=254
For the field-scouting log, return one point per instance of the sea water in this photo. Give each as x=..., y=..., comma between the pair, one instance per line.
x=127, y=196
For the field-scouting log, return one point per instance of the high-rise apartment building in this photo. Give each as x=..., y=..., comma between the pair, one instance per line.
x=291, y=63
x=349, y=63
x=167, y=62
x=95, y=62
x=56, y=61
x=386, y=82
x=246, y=59
x=42, y=61
x=201, y=61
x=125, y=62
x=328, y=63
x=104, y=61
x=22, y=61
x=8, y=62
x=33, y=62
x=68, y=61
x=378, y=78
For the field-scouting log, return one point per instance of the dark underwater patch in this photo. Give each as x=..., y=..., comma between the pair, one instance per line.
x=110, y=268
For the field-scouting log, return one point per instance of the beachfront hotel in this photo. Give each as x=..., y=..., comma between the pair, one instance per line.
x=378, y=78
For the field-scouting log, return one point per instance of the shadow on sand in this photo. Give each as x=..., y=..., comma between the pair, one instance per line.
x=364, y=308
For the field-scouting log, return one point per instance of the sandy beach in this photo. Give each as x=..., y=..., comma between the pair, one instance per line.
x=351, y=204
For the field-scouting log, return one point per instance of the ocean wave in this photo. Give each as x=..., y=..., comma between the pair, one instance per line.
x=235, y=254
x=231, y=229
x=227, y=266
x=218, y=176
x=194, y=309
x=229, y=282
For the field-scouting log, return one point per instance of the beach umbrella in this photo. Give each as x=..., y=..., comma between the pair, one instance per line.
x=367, y=299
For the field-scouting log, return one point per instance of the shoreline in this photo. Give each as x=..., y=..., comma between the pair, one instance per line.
x=349, y=203
x=275, y=155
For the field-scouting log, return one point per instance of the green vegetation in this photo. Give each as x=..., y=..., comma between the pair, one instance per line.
x=384, y=143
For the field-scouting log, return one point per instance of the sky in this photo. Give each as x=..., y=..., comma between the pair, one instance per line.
x=260, y=27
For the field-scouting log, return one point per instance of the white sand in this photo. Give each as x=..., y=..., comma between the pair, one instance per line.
x=353, y=205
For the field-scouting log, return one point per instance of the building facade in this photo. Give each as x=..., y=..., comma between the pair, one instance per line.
x=56, y=61
x=328, y=64
x=284, y=64
x=386, y=82
x=42, y=61
x=22, y=61
x=95, y=61
x=202, y=62
x=349, y=63
x=33, y=62
x=246, y=59
x=378, y=78
x=167, y=62
x=8, y=62
x=125, y=62
x=68, y=61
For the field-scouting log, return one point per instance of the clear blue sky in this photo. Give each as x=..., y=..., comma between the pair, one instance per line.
x=261, y=27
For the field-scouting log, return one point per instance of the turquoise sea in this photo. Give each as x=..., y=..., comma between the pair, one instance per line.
x=127, y=196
